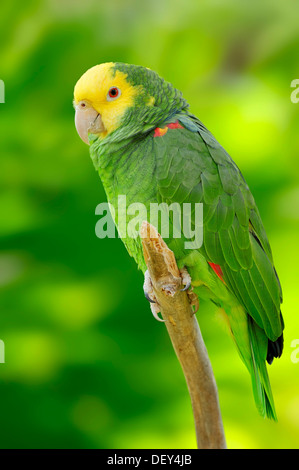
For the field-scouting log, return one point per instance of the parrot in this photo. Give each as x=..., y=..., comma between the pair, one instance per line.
x=146, y=144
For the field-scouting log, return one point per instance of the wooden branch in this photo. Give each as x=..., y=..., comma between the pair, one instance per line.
x=186, y=338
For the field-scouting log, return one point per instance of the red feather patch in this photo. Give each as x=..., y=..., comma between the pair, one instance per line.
x=174, y=125
x=159, y=132
x=217, y=269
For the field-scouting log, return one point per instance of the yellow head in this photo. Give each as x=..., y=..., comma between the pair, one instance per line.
x=101, y=97
x=124, y=98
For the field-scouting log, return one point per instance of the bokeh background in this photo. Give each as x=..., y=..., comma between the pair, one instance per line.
x=86, y=365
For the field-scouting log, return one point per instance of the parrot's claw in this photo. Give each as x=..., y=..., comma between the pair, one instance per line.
x=155, y=310
x=194, y=302
x=146, y=294
x=148, y=288
x=150, y=296
x=186, y=281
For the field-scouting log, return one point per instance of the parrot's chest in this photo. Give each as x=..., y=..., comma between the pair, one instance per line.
x=129, y=181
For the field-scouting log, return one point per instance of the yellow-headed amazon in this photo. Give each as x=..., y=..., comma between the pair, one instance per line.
x=145, y=144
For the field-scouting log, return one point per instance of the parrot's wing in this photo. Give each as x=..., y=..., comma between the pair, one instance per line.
x=193, y=167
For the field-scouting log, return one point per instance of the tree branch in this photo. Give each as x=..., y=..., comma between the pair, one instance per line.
x=186, y=338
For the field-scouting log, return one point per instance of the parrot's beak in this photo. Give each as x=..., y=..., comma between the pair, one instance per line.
x=87, y=120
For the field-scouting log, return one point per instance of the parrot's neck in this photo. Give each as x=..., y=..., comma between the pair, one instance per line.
x=126, y=168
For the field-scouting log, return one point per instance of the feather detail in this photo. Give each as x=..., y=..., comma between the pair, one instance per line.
x=160, y=131
x=217, y=269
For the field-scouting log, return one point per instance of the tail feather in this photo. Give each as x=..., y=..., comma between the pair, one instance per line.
x=259, y=375
x=252, y=345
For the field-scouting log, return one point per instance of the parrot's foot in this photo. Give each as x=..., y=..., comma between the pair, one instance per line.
x=186, y=281
x=150, y=296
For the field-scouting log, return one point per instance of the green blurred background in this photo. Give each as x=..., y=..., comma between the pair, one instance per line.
x=86, y=364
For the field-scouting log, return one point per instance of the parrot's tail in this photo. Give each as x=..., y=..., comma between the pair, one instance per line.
x=260, y=380
x=252, y=344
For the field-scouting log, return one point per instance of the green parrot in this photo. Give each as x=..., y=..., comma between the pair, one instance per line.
x=145, y=144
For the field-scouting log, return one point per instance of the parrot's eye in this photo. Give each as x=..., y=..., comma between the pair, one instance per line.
x=113, y=93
